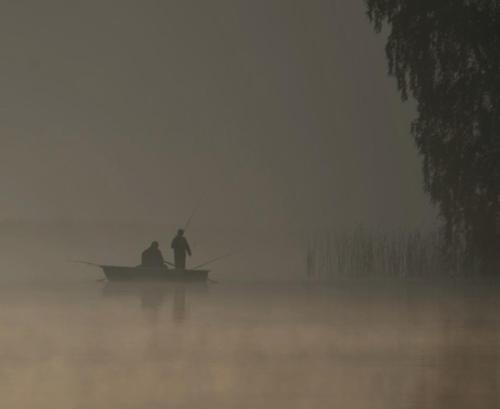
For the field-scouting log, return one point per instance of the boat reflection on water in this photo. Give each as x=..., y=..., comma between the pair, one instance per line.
x=154, y=295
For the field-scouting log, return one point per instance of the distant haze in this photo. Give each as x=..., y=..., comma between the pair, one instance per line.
x=271, y=113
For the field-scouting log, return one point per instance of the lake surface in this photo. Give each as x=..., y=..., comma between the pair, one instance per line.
x=90, y=344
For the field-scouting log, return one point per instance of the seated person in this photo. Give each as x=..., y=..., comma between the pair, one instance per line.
x=152, y=257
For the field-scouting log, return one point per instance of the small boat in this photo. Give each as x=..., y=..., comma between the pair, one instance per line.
x=139, y=273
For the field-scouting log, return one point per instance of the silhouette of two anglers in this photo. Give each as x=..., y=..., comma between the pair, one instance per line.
x=152, y=256
x=181, y=247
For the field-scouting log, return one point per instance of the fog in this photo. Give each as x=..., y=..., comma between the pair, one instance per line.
x=234, y=345
x=270, y=114
x=265, y=126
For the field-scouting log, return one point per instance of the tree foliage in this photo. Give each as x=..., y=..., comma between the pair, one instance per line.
x=446, y=55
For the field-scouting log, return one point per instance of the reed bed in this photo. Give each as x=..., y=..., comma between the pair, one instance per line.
x=361, y=253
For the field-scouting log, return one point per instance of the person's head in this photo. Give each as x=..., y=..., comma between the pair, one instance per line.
x=154, y=245
x=180, y=232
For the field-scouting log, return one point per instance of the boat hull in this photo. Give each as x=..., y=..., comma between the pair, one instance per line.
x=118, y=273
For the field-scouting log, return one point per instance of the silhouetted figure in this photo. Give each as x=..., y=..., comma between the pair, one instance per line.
x=180, y=247
x=152, y=257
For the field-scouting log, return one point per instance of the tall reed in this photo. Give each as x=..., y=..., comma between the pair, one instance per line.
x=364, y=253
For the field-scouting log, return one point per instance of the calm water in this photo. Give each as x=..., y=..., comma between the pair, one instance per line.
x=249, y=345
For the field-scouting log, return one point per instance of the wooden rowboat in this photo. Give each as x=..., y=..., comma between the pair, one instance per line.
x=120, y=273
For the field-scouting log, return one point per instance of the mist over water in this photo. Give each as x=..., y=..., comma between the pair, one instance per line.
x=72, y=341
x=276, y=126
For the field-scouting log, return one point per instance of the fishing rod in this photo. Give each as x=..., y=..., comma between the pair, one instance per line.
x=215, y=259
x=195, y=210
x=88, y=263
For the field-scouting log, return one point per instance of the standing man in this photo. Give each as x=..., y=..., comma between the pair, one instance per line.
x=181, y=247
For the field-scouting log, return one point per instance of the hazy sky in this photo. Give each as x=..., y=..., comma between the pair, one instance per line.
x=274, y=113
